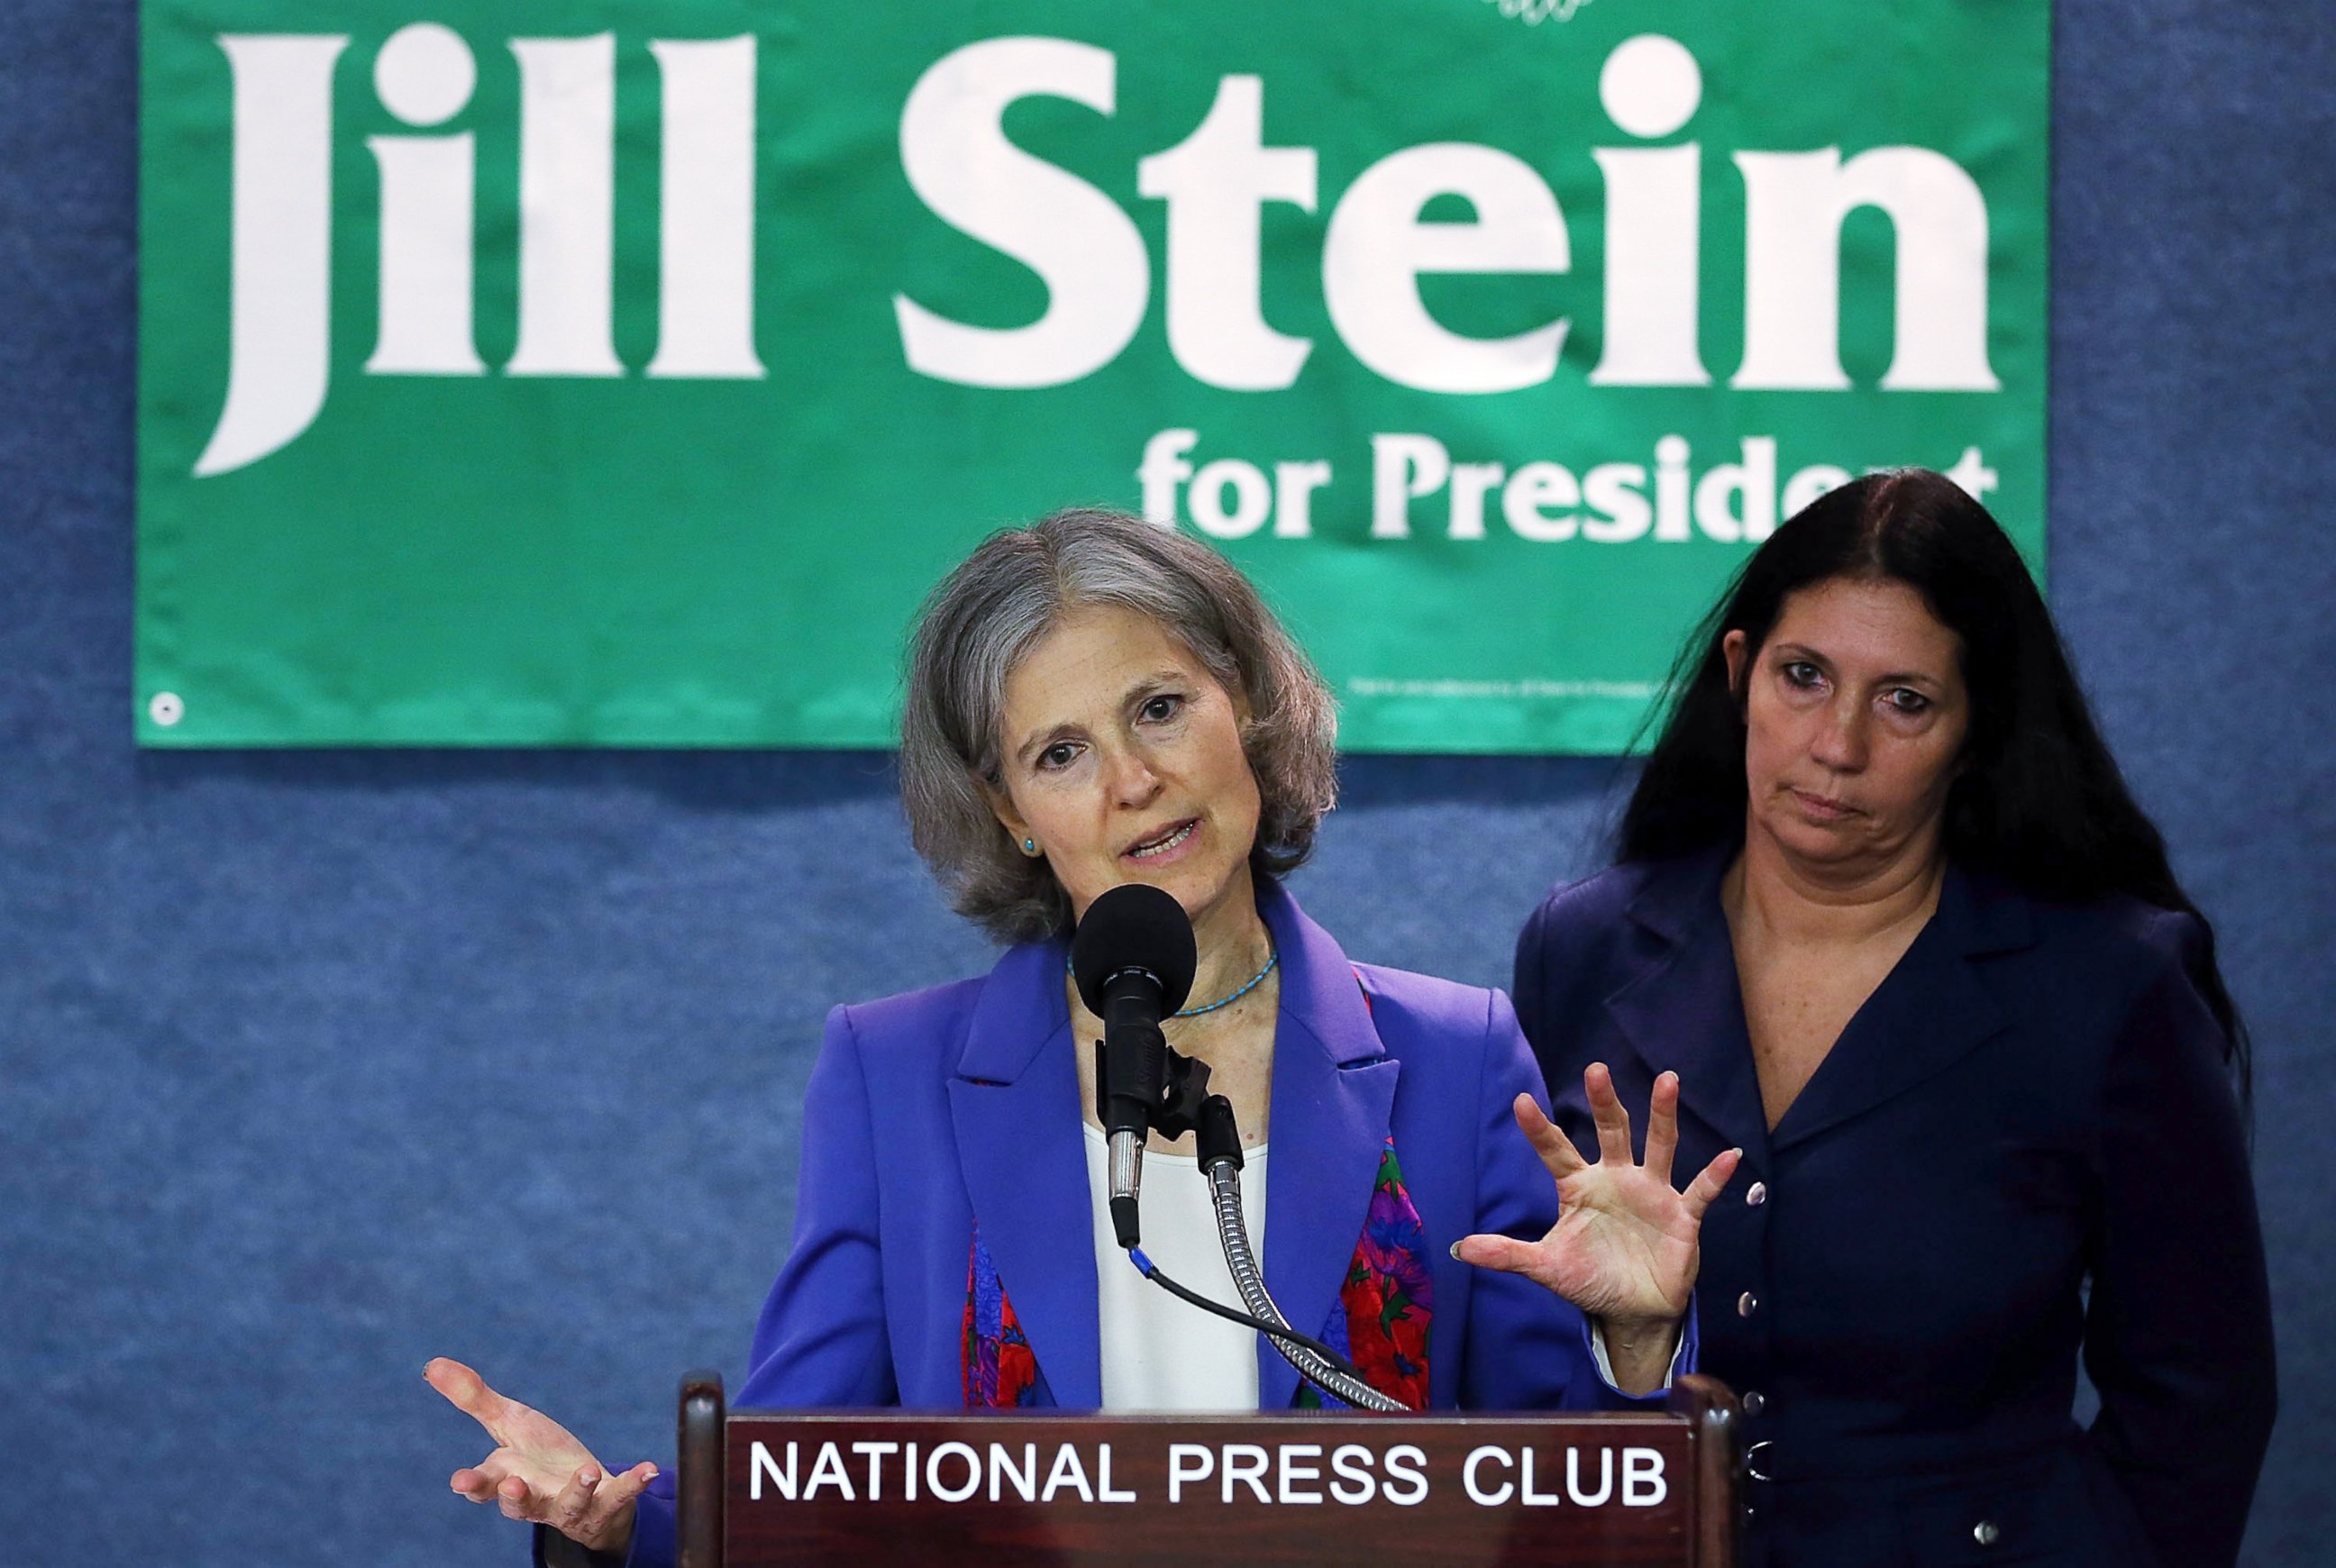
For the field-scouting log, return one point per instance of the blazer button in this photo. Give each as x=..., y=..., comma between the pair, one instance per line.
x=1758, y=1194
x=1746, y=1304
x=1986, y=1534
x=1754, y=1402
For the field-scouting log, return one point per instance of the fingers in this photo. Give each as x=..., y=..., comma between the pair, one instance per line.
x=619, y=1491
x=1663, y=1126
x=520, y=1501
x=478, y=1485
x=566, y=1511
x=1710, y=1181
x=469, y=1393
x=1606, y=1110
x=1556, y=1150
x=1505, y=1253
x=607, y=1520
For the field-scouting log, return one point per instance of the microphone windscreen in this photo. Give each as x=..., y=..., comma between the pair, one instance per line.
x=1134, y=926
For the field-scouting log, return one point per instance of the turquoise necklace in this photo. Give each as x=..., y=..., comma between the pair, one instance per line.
x=1272, y=957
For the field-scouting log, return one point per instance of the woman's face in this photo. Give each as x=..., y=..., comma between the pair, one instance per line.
x=1854, y=715
x=1122, y=760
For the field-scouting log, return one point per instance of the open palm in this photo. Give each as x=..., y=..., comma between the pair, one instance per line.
x=538, y=1472
x=1625, y=1245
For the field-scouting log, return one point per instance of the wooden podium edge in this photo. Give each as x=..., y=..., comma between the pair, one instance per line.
x=704, y=1477
x=1706, y=1403
x=1710, y=1408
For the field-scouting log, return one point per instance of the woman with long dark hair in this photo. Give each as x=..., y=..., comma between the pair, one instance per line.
x=1885, y=905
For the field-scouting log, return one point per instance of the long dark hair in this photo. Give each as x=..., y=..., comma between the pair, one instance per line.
x=2037, y=800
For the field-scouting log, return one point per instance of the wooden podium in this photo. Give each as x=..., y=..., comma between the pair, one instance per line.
x=760, y=1489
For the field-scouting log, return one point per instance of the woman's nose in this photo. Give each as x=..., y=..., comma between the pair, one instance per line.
x=1133, y=781
x=1841, y=739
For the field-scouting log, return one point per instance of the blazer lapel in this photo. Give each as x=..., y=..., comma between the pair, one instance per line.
x=1928, y=1012
x=1681, y=1005
x=1015, y=1105
x=1333, y=1090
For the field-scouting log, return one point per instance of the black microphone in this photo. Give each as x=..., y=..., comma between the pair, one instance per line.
x=1132, y=958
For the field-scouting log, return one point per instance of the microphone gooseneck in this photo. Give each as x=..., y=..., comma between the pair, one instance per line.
x=1319, y=1364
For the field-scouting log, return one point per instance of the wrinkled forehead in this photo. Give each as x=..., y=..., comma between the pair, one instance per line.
x=1092, y=656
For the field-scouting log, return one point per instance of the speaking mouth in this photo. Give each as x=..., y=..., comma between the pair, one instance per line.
x=1160, y=843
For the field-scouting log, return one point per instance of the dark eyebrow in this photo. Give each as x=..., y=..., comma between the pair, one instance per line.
x=1802, y=651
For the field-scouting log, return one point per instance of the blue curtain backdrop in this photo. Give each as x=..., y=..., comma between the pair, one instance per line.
x=315, y=1066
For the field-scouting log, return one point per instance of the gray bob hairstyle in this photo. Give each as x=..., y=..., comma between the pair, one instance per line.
x=985, y=617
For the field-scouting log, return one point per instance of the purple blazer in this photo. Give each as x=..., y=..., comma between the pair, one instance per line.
x=933, y=1110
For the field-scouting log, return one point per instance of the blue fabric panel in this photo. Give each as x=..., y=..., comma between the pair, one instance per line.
x=313, y=1066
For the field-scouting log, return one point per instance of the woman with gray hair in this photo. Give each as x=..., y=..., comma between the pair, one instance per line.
x=1094, y=701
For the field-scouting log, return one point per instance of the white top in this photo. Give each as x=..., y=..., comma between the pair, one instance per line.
x=1160, y=1353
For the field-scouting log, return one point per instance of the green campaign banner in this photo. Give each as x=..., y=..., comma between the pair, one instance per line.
x=623, y=372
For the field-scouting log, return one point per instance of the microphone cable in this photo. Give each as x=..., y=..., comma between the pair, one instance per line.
x=1219, y=1141
x=1339, y=1367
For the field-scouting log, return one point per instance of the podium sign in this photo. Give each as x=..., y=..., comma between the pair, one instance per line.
x=862, y=1489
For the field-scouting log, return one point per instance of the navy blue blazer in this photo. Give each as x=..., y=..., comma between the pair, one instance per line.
x=933, y=1110
x=2024, y=1147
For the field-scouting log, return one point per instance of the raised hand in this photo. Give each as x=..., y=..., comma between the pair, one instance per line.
x=538, y=1472
x=1625, y=1245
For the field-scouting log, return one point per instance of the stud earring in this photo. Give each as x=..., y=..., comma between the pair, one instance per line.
x=1030, y=846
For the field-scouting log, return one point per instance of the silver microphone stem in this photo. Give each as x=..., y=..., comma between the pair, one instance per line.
x=1126, y=1172
x=1127, y=1165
